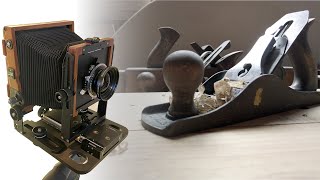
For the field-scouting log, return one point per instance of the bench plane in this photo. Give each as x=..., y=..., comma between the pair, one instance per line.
x=257, y=86
x=150, y=78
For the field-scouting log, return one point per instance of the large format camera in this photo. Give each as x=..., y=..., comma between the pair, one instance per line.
x=50, y=66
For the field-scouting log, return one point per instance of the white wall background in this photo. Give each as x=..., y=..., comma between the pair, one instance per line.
x=103, y=17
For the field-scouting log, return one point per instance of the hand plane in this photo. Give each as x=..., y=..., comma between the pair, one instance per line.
x=257, y=86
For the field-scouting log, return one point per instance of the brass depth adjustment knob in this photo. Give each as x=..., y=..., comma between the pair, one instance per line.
x=183, y=73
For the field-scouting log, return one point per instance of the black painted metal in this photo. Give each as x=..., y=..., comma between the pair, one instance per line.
x=201, y=49
x=110, y=135
x=305, y=71
x=212, y=57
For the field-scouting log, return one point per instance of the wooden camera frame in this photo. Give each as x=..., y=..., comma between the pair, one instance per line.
x=12, y=62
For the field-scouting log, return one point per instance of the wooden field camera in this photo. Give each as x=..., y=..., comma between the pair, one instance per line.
x=50, y=66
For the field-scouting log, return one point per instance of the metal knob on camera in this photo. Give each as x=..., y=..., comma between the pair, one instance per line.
x=63, y=95
x=183, y=72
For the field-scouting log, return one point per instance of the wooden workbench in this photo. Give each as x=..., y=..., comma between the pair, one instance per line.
x=282, y=146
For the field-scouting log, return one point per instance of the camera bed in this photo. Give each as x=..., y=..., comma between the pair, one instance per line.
x=106, y=133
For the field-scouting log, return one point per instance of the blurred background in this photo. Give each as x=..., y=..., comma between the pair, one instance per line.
x=136, y=33
x=205, y=22
x=107, y=16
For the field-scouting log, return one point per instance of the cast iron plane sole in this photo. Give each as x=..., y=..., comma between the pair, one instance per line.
x=265, y=95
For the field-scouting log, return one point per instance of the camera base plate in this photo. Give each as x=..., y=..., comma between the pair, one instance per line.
x=86, y=151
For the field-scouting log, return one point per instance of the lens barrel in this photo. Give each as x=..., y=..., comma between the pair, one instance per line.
x=102, y=81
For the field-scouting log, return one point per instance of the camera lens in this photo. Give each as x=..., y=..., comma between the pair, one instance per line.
x=102, y=81
x=105, y=83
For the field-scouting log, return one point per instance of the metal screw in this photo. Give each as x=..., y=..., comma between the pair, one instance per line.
x=82, y=92
x=12, y=101
x=9, y=44
x=13, y=114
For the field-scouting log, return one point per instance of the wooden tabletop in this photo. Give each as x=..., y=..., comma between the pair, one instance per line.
x=281, y=146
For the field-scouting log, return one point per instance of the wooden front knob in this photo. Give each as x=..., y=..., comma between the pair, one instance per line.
x=183, y=73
